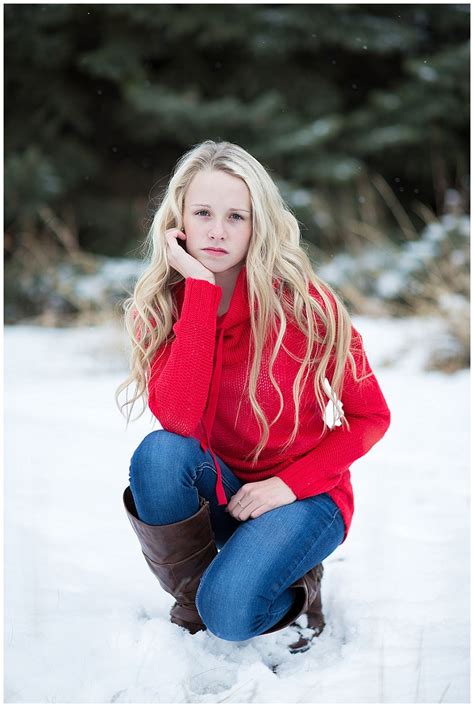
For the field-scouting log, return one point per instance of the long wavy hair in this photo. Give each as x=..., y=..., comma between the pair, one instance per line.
x=275, y=255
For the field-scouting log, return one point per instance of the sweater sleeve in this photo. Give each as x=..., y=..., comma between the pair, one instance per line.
x=181, y=372
x=369, y=416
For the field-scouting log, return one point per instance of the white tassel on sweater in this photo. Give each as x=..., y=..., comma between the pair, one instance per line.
x=334, y=410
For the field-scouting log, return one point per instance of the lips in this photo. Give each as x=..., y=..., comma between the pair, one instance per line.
x=215, y=250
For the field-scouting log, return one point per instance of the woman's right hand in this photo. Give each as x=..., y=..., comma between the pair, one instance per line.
x=182, y=261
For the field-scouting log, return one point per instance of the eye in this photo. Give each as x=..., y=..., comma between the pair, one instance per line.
x=205, y=211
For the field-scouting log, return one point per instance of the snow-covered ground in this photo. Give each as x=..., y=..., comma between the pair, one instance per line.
x=85, y=620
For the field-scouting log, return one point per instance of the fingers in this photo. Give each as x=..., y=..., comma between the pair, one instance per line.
x=245, y=509
x=178, y=257
x=182, y=261
x=239, y=505
x=175, y=233
x=172, y=235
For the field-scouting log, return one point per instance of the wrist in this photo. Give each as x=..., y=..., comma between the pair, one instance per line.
x=199, y=276
x=288, y=489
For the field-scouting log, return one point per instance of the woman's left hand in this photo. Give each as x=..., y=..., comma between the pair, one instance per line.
x=258, y=497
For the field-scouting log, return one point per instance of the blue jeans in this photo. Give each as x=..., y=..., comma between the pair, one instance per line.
x=245, y=589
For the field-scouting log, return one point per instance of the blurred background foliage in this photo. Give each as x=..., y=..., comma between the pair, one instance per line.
x=359, y=112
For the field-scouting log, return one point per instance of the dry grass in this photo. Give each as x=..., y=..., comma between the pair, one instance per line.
x=441, y=288
x=37, y=292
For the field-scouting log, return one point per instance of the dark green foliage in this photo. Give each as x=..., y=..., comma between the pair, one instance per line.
x=100, y=101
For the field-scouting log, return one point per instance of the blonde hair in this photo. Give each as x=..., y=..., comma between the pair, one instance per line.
x=279, y=274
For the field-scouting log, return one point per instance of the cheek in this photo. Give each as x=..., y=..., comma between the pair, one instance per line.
x=248, y=237
x=190, y=226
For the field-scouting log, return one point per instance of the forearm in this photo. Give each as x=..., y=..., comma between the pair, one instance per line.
x=321, y=469
x=181, y=372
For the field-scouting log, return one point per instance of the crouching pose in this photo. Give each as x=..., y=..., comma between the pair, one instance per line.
x=252, y=366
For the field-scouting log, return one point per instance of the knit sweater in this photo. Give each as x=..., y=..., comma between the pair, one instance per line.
x=197, y=389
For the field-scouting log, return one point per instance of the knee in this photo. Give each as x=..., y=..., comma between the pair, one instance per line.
x=224, y=607
x=158, y=454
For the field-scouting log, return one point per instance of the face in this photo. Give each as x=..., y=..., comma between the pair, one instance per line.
x=217, y=214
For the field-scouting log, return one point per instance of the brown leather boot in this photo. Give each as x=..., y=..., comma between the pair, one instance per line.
x=177, y=554
x=316, y=622
x=308, y=602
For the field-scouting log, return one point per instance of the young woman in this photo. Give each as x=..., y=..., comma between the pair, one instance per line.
x=261, y=384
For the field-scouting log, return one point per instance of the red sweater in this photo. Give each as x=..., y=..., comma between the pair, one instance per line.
x=196, y=385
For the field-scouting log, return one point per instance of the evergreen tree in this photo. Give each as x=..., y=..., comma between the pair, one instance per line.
x=100, y=100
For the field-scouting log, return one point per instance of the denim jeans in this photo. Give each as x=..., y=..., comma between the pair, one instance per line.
x=245, y=589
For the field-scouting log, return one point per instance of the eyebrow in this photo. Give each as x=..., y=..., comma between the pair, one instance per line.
x=232, y=208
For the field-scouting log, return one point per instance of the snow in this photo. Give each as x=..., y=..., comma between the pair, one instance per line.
x=85, y=620
x=388, y=272
x=112, y=279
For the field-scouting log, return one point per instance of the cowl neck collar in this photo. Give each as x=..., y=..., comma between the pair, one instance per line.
x=239, y=310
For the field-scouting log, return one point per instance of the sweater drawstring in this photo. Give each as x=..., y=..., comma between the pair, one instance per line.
x=209, y=415
x=220, y=493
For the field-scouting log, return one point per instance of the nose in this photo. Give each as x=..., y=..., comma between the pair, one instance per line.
x=216, y=233
x=217, y=230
